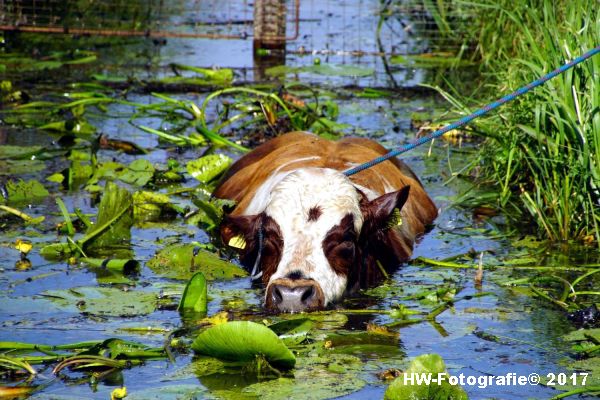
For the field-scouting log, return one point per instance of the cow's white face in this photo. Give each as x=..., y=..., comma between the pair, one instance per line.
x=311, y=222
x=307, y=205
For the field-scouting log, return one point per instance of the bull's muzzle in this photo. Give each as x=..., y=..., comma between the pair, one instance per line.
x=294, y=295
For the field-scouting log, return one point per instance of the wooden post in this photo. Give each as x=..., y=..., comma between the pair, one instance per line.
x=269, y=35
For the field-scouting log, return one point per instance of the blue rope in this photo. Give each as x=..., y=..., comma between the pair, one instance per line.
x=482, y=111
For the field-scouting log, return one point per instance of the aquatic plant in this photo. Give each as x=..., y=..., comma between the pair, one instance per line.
x=541, y=153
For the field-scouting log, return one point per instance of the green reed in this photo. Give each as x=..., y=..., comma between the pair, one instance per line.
x=541, y=153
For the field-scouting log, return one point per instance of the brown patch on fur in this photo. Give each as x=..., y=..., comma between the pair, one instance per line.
x=314, y=213
x=272, y=248
x=302, y=150
x=248, y=226
x=339, y=246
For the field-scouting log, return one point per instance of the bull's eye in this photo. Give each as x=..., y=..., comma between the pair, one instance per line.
x=345, y=250
x=268, y=250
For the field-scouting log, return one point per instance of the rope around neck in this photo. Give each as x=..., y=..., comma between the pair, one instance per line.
x=482, y=111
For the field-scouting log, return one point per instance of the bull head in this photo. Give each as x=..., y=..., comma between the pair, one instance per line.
x=313, y=238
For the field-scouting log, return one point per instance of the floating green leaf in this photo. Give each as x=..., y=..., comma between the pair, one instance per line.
x=104, y=301
x=221, y=76
x=320, y=377
x=362, y=343
x=107, y=170
x=21, y=191
x=207, y=168
x=322, y=69
x=115, y=209
x=18, y=167
x=175, y=262
x=138, y=173
x=174, y=392
x=59, y=251
x=150, y=206
x=293, y=331
x=82, y=128
x=244, y=341
x=424, y=364
x=116, y=348
x=195, y=296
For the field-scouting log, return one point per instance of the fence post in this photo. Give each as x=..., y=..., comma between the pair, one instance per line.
x=269, y=35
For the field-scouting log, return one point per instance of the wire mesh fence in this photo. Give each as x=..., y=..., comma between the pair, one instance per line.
x=353, y=27
x=216, y=19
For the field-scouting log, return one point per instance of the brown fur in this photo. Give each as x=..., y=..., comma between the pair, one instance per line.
x=314, y=213
x=378, y=245
x=340, y=246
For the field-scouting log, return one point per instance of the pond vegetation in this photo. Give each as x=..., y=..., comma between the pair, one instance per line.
x=541, y=152
x=112, y=275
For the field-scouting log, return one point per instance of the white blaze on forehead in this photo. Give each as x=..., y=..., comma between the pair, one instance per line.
x=289, y=204
x=263, y=193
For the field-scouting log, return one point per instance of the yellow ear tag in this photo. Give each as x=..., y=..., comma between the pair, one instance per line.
x=237, y=242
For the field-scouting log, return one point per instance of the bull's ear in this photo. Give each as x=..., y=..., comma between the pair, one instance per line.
x=239, y=231
x=380, y=212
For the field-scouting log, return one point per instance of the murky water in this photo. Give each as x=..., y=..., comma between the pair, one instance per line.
x=529, y=329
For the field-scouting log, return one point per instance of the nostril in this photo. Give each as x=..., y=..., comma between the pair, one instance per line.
x=285, y=295
x=277, y=295
x=308, y=295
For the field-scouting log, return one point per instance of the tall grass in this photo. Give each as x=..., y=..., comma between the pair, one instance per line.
x=541, y=152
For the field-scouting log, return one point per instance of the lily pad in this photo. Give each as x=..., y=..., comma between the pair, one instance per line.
x=74, y=127
x=323, y=320
x=18, y=152
x=585, y=343
x=18, y=167
x=150, y=206
x=210, y=212
x=107, y=170
x=221, y=76
x=173, y=392
x=175, y=262
x=105, y=301
x=315, y=378
x=21, y=191
x=424, y=364
x=58, y=251
x=322, y=69
x=293, y=331
x=200, y=366
x=116, y=348
x=138, y=173
x=583, y=334
x=207, y=168
x=365, y=344
x=592, y=367
x=244, y=341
